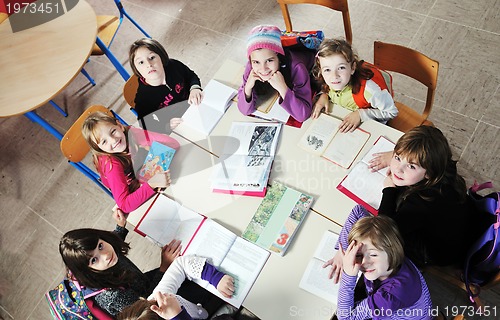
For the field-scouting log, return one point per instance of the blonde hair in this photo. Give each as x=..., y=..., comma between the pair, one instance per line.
x=139, y=310
x=384, y=234
x=331, y=47
x=91, y=135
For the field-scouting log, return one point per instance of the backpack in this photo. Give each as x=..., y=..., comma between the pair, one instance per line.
x=483, y=258
x=308, y=40
x=71, y=301
x=381, y=77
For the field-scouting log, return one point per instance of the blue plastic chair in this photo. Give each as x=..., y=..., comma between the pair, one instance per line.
x=75, y=148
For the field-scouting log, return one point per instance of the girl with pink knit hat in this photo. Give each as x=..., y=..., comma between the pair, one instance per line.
x=270, y=68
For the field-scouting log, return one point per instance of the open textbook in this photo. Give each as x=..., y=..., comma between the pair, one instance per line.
x=278, y=218
x=362, y=185
x=246, y=170
x=324, y=139
x=166, y=220
x=315, y=277
x=216, y=99
x=269, y=108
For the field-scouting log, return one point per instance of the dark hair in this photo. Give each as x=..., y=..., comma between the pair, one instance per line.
x=152, y=45
x=384, y=234
x=139, y=310
x=340, y=46
x=90, y=133
x=263, y=88
x=428, y=147
x=74, y=248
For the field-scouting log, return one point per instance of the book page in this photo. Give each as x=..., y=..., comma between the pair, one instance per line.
x=239, y=172
x=319, y=134
x=363, y=184
x=216, y=99
x=167, y=220
x=253, y=138
x=345, y=147
x=315, y=277
x=275, y=113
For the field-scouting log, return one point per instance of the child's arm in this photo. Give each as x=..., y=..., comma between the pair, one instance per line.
x=297, y=101
x=383, y=107
x=247, y=106
x=169, y=308
x=117, y=182
x=321, y=104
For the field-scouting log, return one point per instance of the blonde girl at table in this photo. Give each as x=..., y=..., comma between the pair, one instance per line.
x=351, y=84
x=97, y=259
x=272, y=69
x=395, y=287
x=427, y=199
x=163, y=81
x=113, y=147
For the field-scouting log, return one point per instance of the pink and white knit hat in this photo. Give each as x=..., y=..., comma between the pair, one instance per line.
x=265, y=37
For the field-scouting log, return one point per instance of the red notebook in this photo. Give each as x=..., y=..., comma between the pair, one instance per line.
x=362, y=185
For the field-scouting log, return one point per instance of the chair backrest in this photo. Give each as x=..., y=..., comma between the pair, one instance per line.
x=3, y=16
x=107, y=27
x=73, y=145
x=130, y=90
x=337, y=5
x=400, y=59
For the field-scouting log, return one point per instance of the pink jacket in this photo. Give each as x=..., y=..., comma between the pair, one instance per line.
x=113, y=174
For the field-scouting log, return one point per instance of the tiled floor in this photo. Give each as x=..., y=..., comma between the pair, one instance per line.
x=41, y=196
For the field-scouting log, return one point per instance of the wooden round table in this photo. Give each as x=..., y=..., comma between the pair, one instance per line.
x=38, y=63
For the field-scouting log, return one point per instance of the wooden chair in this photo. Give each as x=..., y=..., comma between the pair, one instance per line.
x=75, y=148
x=130, y=89
x=337, y=5
x=411, y=63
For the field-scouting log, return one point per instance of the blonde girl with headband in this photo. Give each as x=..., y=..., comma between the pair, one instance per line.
x=270, y=68
x=113, y=147
x=349, y=83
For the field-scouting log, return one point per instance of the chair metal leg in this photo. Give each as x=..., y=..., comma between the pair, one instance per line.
x=86, y=74
x=119, y=118
x=36, y=118
x=124, y=13
x=133, y=111
x=121, y=70
x=56, y=106
x=86, y=171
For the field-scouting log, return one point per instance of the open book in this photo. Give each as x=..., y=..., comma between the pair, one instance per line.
x=278, y=218
x=324, y=139
x=362, y=185
x=157, y=160
x=269, y=108
x=166, y=220
x=246, y=161
x=315, y=277
x=216, y=99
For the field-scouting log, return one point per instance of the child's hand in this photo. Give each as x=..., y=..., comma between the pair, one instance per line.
x=226, y=286
x=380, y=160
x=336, y=263
x=168, y=307
x=322, y=103
x=160, y=180
x=168, y=254
x=120, y=217
x=277, y=81
x=388, y=180
x=252, y=77
x=350, y=122
x=349, y=262
x=195, y=96
x=174, y=122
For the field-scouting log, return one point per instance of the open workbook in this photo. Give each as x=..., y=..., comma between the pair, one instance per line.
x=362, y=185
x=245, y=164
x=278, y=218
x=315, y=277
x=166, y=220
x=216, y=99
x=324, y=139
